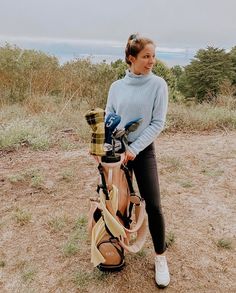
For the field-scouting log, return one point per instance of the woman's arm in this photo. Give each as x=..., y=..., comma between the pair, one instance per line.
x=157, y=123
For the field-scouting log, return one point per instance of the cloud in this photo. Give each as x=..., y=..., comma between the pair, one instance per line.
x=171, y=23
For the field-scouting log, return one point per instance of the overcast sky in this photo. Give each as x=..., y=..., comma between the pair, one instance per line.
x=171, y=23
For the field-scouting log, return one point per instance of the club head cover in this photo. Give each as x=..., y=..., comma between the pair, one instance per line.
x=95, y=119
x=133, y=125
x=111, y=123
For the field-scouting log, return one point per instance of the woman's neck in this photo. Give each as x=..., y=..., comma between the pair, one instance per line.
x=133, y=71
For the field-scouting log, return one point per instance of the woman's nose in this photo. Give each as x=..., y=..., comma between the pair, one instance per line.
x=151, y=60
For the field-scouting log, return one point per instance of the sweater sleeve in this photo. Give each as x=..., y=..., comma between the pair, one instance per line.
x=149, y=134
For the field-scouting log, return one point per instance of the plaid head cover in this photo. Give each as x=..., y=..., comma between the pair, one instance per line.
x=95, y=118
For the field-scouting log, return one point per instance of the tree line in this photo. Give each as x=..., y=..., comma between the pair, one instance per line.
x=27, y=73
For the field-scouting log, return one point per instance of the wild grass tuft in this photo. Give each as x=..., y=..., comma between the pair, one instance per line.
x=33, y=176
x=28, y=275
x=136, y=256
x=36, y=178
x=187, y=184
x=16, y=178
x=170, y=239
x=171, y=164
x=142, y=253
x=83, y=279
x=81, y=222
x=27, y=270
x=2, y=264
x=212, y=172
x=22, y=217
x=67, y=175
x=67, y=145
x=225, y=243
x=70, y=248
x=77, y=237
x=57, y=223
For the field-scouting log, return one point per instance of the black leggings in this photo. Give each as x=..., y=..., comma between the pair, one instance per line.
x=145, y=170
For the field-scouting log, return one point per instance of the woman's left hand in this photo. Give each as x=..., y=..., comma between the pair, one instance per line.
x=129, y=156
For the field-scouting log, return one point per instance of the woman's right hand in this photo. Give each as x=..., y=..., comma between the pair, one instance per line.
x=129, y=156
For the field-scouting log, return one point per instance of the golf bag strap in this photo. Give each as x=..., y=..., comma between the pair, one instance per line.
x=103, y=185
x=139, y=218
x=140, y=227
x=139, y=215
x=140, y=239
x=126, y=220
x=131, y=189
x=91, y=222
x=128, y=178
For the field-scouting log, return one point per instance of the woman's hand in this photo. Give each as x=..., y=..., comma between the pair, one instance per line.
x=129, y=156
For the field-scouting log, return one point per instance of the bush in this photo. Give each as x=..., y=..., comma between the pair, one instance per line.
x=82, y=80
x=24, y=73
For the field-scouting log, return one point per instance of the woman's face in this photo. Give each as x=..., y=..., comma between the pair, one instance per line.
x=144, y=61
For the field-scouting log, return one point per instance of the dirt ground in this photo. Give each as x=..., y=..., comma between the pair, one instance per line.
x=44, y=246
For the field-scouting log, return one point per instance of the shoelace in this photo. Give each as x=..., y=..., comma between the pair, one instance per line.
x=160, y=263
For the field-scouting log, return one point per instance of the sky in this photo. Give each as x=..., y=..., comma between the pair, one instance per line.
x=176, y=26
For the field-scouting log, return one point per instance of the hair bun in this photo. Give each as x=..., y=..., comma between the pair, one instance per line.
x=133, y=37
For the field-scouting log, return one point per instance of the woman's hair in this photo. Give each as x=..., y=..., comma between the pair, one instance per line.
x=135, y=44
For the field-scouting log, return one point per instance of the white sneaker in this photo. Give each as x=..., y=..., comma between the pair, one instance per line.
x=162, y=275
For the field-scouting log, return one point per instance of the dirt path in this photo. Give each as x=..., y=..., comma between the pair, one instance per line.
x=44, y=245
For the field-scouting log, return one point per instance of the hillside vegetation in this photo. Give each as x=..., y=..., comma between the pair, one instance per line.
x=41, y=100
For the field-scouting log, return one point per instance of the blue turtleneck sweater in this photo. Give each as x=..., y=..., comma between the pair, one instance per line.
x=139, y=96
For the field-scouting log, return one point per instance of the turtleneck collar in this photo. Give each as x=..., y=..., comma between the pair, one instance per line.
x=132, y=78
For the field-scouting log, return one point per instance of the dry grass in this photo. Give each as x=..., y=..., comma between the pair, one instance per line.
x=44, y=127
x=43, y=122
x=46, y=180
x=201, y=117
x=197, y=178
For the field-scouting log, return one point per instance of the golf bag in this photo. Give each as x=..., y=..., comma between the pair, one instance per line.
x=117, y=213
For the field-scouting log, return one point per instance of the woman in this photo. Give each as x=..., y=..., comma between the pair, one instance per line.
x=142, y=94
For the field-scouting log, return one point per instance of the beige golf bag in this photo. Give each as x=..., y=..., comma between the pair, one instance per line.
x=115, y=215
x=117, y=218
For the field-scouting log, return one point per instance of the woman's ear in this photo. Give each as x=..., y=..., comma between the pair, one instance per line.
x=131, y=58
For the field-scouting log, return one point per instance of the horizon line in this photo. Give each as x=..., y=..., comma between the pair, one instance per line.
x=112, y=43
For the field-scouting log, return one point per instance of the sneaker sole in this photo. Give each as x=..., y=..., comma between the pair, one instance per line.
x=161, y=286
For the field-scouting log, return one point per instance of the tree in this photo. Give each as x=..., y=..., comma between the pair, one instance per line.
x=120, y=68
x=233, y=58
x=207, y=71
x=177, y=70
x=162, y=70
